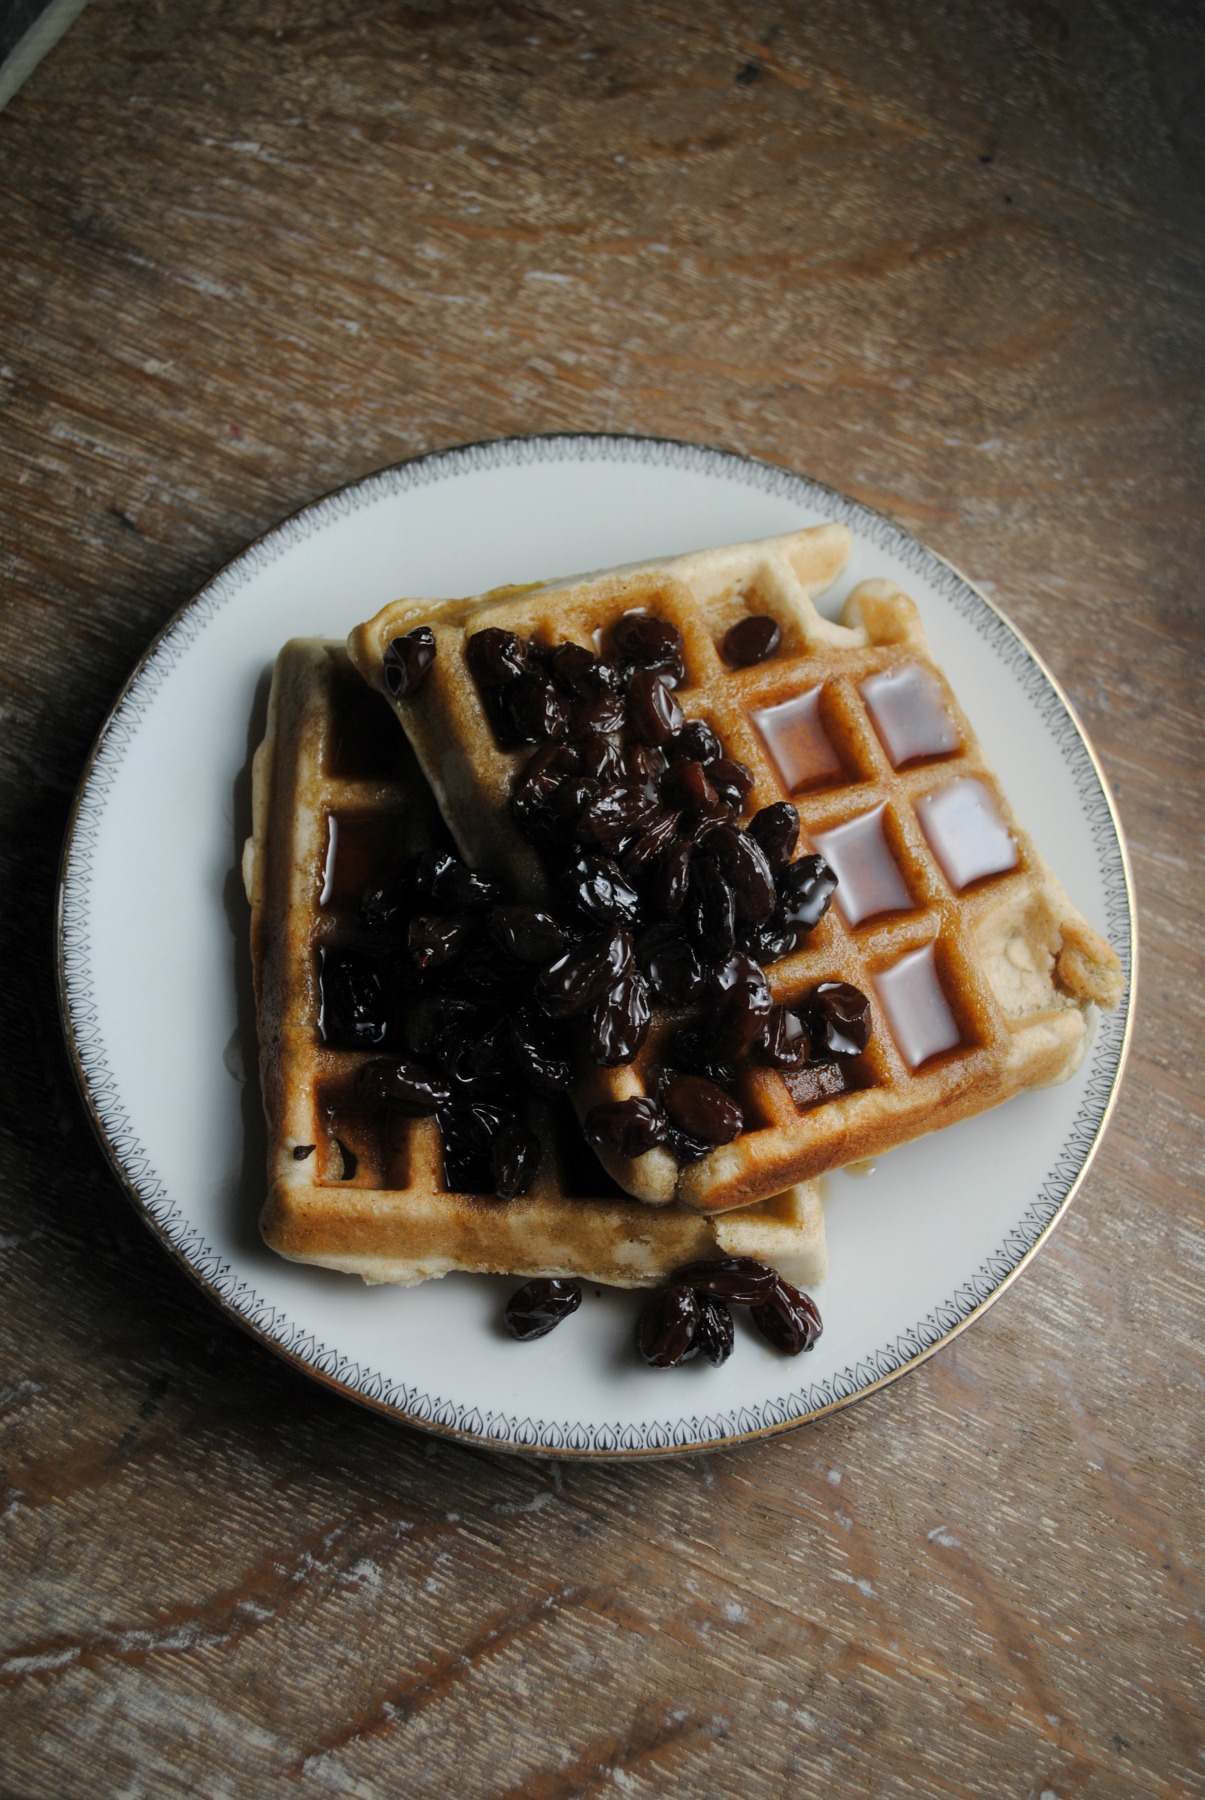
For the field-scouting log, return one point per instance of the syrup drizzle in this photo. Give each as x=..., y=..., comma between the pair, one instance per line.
x=365, y=741
x=357, y=845
x=965, y=832
x=908, y=710
x=796, y=739
x=869, y=881
x=916, y=1008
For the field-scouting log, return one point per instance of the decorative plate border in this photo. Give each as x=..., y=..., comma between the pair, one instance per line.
x=400, y=1400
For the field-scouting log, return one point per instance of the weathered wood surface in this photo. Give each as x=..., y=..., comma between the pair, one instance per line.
x=944, y=256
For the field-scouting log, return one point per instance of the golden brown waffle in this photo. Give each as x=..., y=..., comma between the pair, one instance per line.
x=1003, y=971
x=348, y=1189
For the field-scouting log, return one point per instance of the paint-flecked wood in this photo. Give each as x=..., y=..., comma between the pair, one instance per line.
x=945, y=256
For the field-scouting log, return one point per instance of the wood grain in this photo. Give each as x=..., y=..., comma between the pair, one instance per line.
x=948, y=258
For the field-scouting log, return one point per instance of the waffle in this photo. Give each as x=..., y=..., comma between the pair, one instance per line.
x=350, y=1189
x=981, y=973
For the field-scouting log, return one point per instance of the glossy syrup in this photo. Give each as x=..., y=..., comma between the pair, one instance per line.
x=366, y=741
x=908, y=710
x=868, y=876
x=357, y=847
x=916, y=1008
x=794, y=734
x=966, y=833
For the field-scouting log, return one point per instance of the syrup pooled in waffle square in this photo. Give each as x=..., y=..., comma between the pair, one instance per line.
x=355, y=1184
x=979, y=972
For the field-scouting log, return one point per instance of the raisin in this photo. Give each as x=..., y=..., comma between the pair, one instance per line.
x=355, y=1006
x=671, y=881
x=710, y=910
x=776, y=829
x=595, y=887
x=745, y=869
x=414, y=1088
x=741, y=1279
x=482, y=974
x=456, y=888
x=576, y=980
x=573, y=668
x=695, y=1052
x=496, y=658
x=627, y=1127
x=785, y=1042
x=644, y=762
x=769, y=942
x=620, y=1021
x=672, y=964
x=731, y=780
x=619, y=814
x=650, y=643
x=429, y=868
x=535, y=708
x=606, y=712
x=743, y=1005
x=477, y=1061
x=538, y=1308
x=407, y=661
x=540, y=1058
x=684, y=1147
x=439, y=1025
x=840, y=1016
x=668, y=1327
x=686, y=785
x=514, y=1160
x=805, y=892
x=653, y=713
x=526, y=933
x=788, y=1318
x=462, y=1039
x=602, y=760
x=718, y=812
x=403, y=888
x=561, y=815
x=644, y=851
x=715, y=1334
x=701, y=1108
x=434, y=941
x=752, y=640
x=543, y=774
x=386, y=903
x=696, y=741
x=468, y=1131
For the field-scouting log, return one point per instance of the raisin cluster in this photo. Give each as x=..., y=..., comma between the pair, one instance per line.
x=664, y=891
x=689, y=1317
x=446, y=993
x=674, y=895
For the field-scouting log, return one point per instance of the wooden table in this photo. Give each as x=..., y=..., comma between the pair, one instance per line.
x=947, y=258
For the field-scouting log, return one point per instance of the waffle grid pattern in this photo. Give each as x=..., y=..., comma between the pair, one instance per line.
x=1003, y=1048
x=352, y=1186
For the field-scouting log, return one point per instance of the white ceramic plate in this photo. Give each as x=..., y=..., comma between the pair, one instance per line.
x=154, y=979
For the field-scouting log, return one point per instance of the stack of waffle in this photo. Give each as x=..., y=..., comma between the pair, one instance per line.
x=981, y=974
